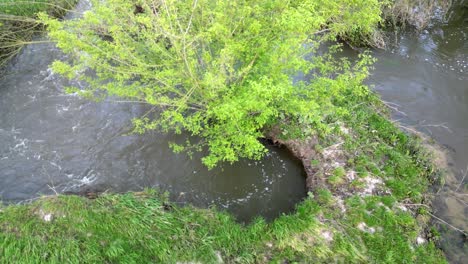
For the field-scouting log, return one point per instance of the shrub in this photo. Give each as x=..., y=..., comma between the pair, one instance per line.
x=221, y=71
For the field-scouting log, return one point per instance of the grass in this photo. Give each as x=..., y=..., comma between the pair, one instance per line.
x=29, y=8
x=18, y=22
x=145, y=227
x=337, y=177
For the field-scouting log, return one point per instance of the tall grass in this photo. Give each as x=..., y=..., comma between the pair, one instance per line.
x=18, y=22
x=145, y=228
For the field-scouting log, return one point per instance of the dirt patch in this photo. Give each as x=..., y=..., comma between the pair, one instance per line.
x=321, y=165
x=327, y=167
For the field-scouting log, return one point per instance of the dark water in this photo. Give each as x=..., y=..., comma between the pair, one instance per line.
x=53, y=142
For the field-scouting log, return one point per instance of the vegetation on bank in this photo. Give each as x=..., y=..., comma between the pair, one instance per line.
x=18, y=22
x=221, y=72
x=144, y=228
x=415, y=13
x=372, y=208
x=397, y=15
x=227, y=74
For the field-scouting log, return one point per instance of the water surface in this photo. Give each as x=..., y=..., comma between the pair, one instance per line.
x=54, y=142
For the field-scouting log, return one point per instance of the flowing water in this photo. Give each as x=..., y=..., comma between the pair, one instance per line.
x=53, y=142
x=424, y=78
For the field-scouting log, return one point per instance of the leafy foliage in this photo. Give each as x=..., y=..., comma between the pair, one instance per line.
x=223, y=71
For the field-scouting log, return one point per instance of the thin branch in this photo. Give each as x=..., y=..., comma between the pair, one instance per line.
x=409, y=129
x=439, y=219
x=463, y=179
x=389, y=105
x=451, y=226
x=191, y=16
x=22, y=43
x=158, y=104
x=321, y=31
x=439, y=125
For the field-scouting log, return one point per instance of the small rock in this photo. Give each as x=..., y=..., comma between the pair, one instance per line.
x=219, y=258
x=362, y=226
x=420, y=240
x=327, y=235
x=403, y=208
x=47, y=217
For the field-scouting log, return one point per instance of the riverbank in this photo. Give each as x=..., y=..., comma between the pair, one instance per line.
x=18, y=22
x=368, y=202
x=397, y=15
x=144, y=227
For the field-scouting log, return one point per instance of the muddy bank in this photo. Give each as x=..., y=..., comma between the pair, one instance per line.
x=319, y=163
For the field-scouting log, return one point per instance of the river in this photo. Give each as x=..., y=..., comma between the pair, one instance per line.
x=54, y=142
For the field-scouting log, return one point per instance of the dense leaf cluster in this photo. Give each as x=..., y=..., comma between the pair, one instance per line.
x=225, y=72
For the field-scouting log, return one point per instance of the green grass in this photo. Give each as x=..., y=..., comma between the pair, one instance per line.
x=28, y=8
x=145, y=228
x=18, y=22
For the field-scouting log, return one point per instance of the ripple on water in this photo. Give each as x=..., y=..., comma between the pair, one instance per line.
x=54, y=142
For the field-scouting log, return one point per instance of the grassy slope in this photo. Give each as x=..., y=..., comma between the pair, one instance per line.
x=135, y=229
x=144, y=227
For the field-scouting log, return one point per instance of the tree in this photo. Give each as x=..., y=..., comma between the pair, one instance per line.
x=221, y=71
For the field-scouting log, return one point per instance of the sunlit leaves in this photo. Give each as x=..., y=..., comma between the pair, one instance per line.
x=222, y=71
